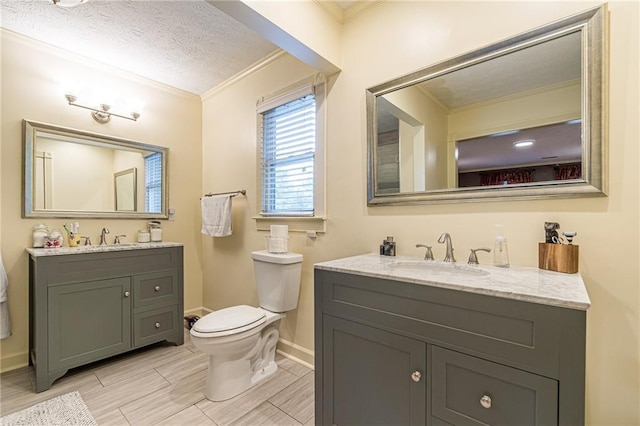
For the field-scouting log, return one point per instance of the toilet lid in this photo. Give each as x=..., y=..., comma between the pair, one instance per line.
x=230, y=320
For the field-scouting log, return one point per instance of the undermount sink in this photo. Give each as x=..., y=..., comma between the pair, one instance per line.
x=427, y=267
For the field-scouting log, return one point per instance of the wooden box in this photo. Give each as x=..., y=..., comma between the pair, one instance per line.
x=558, y=257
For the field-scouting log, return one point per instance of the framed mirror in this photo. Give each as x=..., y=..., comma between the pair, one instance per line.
x=519, y=119
x=72, y=173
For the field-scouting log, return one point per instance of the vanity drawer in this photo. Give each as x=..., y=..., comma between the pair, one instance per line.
x=155, y=325
x=523, y=335
x=157, y=288
x=471, y=391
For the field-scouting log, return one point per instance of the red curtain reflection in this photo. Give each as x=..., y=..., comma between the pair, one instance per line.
x=568, y=172
x=506, y=177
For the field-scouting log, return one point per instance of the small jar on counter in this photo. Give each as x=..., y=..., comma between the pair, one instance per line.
x=53, y=239
x=156, y=234
x=40, y=233
x=143, y=236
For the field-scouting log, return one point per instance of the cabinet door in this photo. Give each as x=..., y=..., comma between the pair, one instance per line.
x=471, y=391
x=88, y=321
x=370, y=376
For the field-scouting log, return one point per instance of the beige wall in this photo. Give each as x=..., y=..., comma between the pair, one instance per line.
x=229, y=152
x=394, y=38
x=171, y=118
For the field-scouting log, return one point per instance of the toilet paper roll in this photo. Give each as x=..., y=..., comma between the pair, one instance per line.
x=279, y=230
x=277, y=244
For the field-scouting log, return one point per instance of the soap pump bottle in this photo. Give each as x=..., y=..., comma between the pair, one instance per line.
x=500, y=253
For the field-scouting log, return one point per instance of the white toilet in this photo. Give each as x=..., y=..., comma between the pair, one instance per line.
x=241, y=340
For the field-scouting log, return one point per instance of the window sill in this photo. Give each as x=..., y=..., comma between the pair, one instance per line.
x=296, y=224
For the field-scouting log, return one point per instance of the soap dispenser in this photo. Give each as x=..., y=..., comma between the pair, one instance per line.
x=500, y=253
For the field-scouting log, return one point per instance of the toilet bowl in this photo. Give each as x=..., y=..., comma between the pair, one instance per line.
x=241, y=340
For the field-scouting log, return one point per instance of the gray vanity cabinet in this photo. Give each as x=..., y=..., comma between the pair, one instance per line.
x=89, y=306
x=394, y=352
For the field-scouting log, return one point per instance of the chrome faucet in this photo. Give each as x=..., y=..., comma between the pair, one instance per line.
x=103, y=237
x=446, y=238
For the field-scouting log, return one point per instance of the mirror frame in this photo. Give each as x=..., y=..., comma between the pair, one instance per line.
x=30, y=130
x=592, y=24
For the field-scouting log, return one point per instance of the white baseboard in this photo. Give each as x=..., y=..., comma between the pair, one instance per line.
x=295, y=352
x=201, y=311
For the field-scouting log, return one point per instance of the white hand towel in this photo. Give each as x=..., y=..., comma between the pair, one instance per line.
x=216, y=215
x=5, y=325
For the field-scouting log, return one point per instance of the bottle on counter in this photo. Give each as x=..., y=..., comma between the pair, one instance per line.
x=500, y=252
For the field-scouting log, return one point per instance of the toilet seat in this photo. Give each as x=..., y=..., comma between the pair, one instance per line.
x=228, y=321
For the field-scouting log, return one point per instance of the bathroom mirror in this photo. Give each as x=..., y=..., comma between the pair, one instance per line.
x=522, y=118
x=72, y=173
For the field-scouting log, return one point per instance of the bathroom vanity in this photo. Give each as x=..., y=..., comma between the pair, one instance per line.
x=406, y=341
x=89, y=303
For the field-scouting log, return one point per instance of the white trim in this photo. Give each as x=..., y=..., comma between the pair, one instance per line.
x=101, y=66
x=251, y=69
x=296, y=353
x=266, y=104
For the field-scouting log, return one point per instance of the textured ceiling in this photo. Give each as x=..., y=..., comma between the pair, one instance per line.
x=553, y=62
x=189, y=45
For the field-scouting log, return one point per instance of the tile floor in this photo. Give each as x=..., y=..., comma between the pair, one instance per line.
x=163, y=385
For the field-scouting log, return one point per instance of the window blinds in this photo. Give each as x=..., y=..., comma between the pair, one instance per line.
x=153, y=183
x=288, y=154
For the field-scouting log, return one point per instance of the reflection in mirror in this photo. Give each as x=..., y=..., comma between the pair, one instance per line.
x=521, y=118
x=72, y=173
x=126, y=189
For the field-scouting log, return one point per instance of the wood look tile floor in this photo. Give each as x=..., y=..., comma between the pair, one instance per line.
x=164, y=385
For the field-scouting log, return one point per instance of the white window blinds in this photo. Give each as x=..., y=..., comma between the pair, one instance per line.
x=288, y=157
x=153, y=183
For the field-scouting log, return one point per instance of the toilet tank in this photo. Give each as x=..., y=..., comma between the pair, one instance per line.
x=277, y=279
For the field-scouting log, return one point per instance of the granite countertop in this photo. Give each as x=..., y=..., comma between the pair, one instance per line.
x=37, y=252
x=519, y=283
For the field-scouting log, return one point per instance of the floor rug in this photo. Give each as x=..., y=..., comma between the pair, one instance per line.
x=68, y=409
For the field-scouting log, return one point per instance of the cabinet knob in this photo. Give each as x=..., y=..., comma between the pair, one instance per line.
x=126, y=294
x=157, y=288
x=485, y=401
x=416, y=376
x=158, y=326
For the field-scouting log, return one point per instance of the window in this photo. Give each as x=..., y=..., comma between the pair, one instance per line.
x=291, y=161
x=153, y=183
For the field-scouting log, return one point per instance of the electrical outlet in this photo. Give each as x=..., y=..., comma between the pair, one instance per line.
x=172, y=214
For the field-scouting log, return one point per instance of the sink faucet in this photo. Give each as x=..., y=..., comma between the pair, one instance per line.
x=103, y=237
x=428, y=255
x=446, y=238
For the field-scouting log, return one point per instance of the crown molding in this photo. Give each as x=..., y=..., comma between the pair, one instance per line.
x=253, y=68
x=83, y=60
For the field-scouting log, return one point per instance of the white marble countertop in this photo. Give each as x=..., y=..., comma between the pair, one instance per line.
x=520, y=283
x=37, y=252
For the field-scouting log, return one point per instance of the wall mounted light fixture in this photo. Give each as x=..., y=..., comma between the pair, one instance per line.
x=103, y=114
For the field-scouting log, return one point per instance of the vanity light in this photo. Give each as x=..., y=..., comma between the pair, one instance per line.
x=524, y=143
x=103, y=114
